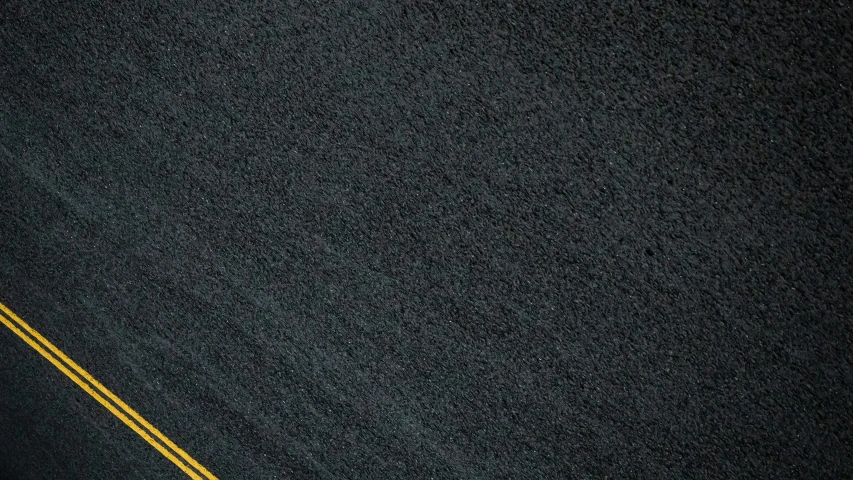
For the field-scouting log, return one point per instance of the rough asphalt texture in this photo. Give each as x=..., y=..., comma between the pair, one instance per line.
x=467, y=240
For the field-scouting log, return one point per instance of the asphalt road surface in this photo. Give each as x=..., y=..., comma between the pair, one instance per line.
x=429, y=240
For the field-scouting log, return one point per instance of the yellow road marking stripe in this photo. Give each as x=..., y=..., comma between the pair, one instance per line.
x=108, y=393
x=127, y=421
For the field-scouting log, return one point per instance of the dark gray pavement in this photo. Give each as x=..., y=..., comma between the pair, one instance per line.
x=467, y=240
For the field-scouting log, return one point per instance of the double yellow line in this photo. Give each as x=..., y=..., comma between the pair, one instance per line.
x=94, y=388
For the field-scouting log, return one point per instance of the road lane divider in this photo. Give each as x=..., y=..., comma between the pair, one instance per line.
x=95, y=389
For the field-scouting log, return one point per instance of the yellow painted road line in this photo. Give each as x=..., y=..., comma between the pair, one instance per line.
x=88, y=389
